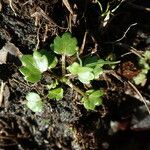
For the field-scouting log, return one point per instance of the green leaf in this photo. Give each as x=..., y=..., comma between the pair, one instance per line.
x=89, y=60
x=34, y=66
x=86, y=77
x=56, y=94
x=140, y=79
x=52, y=59
x=147, y=55
x=27, y=60
x=30, y=75
x=41, y=61
x=34, y=102
x=92, y=99
x=92, y=61
x=85, y=74
x=53, y=84
x=29, y=69
x=97, y=72
x=65, y=45
x=101, y=63
x=73, y=69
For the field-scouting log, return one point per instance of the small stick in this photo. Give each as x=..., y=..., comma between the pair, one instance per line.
x=83, y=43
x=66, y=3
x=1, y=92
x=125, y=33
x=11, y=6
x=138, y=7
x=75, y=88
x=142, y=99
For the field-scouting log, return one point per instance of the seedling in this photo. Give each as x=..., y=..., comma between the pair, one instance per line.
x=88, y=69
x=34, y=102
x=34, y=65
x=65, y=46
x=92, y=99
x=144, y=62
x=84, y=74
x=56, y=93
x=91, y=70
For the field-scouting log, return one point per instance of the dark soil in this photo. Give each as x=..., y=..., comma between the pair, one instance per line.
x=122, y=122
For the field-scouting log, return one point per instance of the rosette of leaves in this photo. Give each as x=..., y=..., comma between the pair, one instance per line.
x=34, y=65
x=92, y=99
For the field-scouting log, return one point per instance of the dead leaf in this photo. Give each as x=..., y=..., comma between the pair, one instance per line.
x=9, y=48
x=66, y=3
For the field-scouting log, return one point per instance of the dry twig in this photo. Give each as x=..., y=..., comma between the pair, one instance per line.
x=1, y=92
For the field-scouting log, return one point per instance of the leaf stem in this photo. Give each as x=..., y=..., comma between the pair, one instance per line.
x=63, y=59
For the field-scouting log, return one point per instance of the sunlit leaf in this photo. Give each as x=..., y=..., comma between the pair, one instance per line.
x=65, y=45
x=56, y=94
x=92, y=99
x=34, y=102
x=33, y=66
x=41, y=61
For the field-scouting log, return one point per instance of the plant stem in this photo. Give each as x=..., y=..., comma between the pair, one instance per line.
x=63, y=65
x=71, y=85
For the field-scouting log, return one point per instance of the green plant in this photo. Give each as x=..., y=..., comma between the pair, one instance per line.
x=34, y=65
x=85, y=74
x=92, y=99
x=65, y=46
x=89, y=68
x=34, y=102
x=56, y=93
x=144, y=62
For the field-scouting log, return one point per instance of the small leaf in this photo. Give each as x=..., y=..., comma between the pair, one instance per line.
x=27, y=60
x=86, y=77
x=92, y=99
x=97, y=72
x=89, y=60
x=34, y=102
x=147, y=55
x=31, y=76
x=88, y=104
x=34, y=66
x=56, y=94
x=140, y=79
x=74, y=68
x=41, y=61
x=53, y=84
x=101, y=63
x=85, y=74
x=65, y=45
x=29, y=69
x=52, y=59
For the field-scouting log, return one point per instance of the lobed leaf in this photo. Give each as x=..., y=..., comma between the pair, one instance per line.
x=34, y=66
x=30, y=75
x=34, y=102
x=65, y=45
x=56, y=94
x=41, y=61
x=92, y=99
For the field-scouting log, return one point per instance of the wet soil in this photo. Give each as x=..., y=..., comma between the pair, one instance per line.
x=122, y=122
